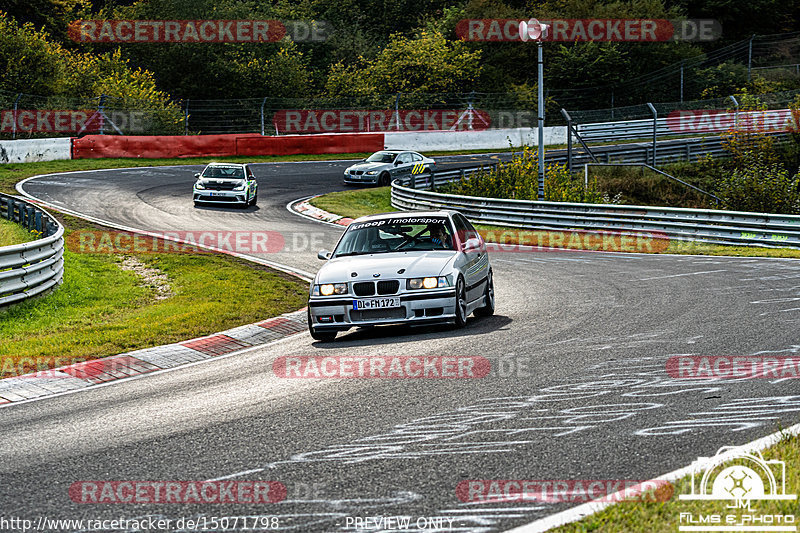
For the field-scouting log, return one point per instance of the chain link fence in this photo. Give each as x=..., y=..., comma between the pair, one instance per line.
x=681, y=84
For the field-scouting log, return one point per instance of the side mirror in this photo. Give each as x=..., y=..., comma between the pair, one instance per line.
x=396, y=163
x=472, y=244
x=196, y=175
x=324, y=255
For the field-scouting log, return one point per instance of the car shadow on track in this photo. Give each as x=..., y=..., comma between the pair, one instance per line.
x=227, y=208
x=403, y=333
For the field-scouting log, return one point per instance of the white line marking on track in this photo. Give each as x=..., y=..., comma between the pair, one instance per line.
x=590, y=508
x=237, y=474
x=155, y=372
x=680, y=275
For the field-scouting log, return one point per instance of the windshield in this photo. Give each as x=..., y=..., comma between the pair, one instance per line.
x=223, y=173
x=381, y=157
x=396, y=235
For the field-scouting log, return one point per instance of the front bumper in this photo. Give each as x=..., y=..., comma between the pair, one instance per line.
x=418, y=307
x=219, y=197
x=362, y=179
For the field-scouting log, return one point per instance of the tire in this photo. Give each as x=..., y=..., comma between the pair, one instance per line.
x=461, y=303
x=254, y=202
x=384, y=180
x=488, y=308
x=324, y=336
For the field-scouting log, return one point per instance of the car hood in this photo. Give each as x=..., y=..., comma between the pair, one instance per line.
x=416, y=265
x=369, y=166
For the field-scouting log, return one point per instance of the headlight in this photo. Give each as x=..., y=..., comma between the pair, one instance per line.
x=427, y=283
x=239, y=187
x=198, y=185
x=330, y=288
x=371, y=172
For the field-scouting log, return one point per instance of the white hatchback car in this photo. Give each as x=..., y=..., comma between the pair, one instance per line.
x=415, y=267
x=225, y=183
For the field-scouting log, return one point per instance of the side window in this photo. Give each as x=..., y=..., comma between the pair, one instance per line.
x=417, y=157
x=464, y=228
x=404, y=158
x=471, y=231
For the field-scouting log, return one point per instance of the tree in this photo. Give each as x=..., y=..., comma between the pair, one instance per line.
x=428, y=63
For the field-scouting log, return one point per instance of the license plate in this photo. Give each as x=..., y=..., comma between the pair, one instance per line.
x=376, y=303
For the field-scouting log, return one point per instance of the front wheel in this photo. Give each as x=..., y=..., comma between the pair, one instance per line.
x=254, y=201
x=488, y=302
x=384, y=180
x=461, y=303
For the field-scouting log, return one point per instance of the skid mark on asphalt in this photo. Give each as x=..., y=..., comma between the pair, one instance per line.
x=611, y=392
x=680, y=275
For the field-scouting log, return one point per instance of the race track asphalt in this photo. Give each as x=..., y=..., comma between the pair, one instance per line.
x=578, y=388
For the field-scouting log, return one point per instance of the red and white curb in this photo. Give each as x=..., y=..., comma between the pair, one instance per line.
x=97, y=371
x=305, y=209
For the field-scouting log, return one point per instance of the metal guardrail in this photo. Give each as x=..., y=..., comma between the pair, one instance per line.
x=703, y=225
x=31, y=268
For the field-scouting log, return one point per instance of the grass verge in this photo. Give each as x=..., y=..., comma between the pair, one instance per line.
x=649, y=516
x=360, y=202
x=13, y=233
x=101, y=309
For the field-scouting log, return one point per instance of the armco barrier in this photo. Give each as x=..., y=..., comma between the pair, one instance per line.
x=31, y=268
x=472, y=140
x=704, y=225
x=159, y=147
x=34, y=150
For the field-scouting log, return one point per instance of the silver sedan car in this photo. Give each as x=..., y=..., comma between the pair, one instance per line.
x=382, y=167
x=416, y=267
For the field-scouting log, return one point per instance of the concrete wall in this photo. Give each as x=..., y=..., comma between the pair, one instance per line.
x=32, y=150
x=473, y=140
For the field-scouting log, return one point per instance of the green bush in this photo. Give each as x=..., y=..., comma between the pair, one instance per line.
x=762, y=185
x=519, y=179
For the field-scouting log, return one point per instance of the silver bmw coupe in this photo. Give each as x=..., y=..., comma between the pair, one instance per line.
x=412, y=267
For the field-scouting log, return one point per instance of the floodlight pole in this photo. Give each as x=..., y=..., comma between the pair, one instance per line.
x=540, y=83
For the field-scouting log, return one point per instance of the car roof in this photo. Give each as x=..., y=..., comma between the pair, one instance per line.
x=407, y=214
x=215, y=164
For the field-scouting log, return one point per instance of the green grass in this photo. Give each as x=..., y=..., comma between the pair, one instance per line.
x=649, y=516
x=642, y=186
x=360, y=202
x=101, y=310
x=13, y=233
x=356, y=203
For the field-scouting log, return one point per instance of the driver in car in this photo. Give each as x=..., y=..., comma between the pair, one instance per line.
x=439, y=236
